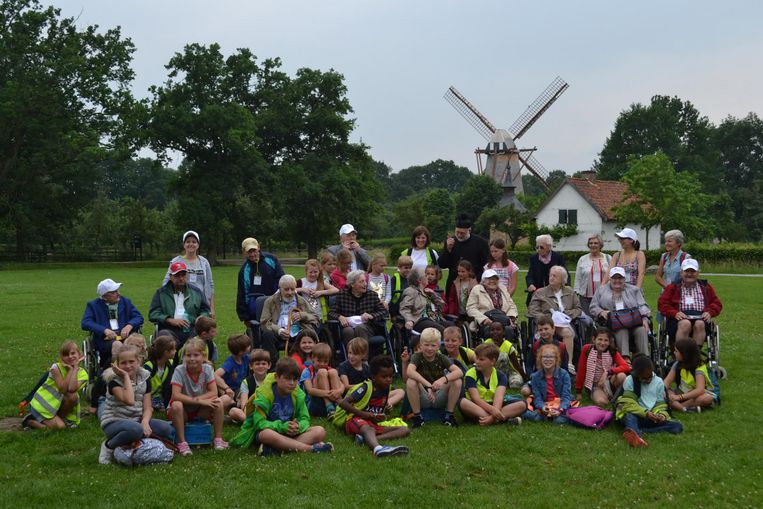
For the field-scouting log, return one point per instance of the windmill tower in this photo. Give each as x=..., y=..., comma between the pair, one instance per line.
x=504, y=160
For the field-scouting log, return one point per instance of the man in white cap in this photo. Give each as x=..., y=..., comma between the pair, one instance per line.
x=689, y=305
x=348, y=239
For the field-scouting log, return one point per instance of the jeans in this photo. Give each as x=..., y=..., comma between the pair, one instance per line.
x=642, y=424
x=123, y=431
x=538, y=417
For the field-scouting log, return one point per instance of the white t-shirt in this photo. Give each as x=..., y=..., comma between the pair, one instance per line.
x=558, y=296
x=179, y=306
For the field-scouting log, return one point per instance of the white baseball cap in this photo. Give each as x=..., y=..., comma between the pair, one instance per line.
x=106, y=286
x=347, y=228
x=627, y=233
x=690, y=264
x=617, y=271
x=191, y=232
x=488, y=274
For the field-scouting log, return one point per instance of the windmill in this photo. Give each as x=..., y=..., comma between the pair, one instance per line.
x=504, y=160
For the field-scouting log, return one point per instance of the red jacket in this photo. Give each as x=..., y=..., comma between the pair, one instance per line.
x=671, y=297
x=620, y=366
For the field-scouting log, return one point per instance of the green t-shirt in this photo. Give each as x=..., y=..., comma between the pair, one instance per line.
x=431, y=370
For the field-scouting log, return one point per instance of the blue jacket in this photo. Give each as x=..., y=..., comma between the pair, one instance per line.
x=562, y=388
x=96, y=320
x=270, y=270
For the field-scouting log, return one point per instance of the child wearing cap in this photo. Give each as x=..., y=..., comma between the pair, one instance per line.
x=630, y=258
x=199, y=270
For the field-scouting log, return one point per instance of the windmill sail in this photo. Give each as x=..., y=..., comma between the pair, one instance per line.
x=537, y=169
x=470, y=113
x=537, y=108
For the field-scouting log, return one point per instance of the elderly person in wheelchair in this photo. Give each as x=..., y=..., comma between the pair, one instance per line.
x=690, y=305
x=284, y=314
x=490, y=302
x=421, y=307
x=622, y=307
x=358, y=310
x=558, y=296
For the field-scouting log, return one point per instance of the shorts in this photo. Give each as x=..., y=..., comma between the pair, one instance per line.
x=607, y=389
x=353, y=425
x=191, y=410
x=317, y=407
x=440, y=398
x=673, y=325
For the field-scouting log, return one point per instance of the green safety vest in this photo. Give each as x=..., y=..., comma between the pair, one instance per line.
x=341, y=416
x=157, y=380
x=47, y=400
x=487, y=394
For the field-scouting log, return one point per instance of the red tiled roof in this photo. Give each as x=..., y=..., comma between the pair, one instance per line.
x=601, y=194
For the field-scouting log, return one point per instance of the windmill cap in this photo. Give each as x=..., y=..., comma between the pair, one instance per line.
x=627, y=233
x=690, y=264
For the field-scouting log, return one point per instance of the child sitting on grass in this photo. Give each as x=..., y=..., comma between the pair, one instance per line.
x=694, y=387
x=55, y=404
x=233, y=371
x=433, y=380
x=194, y=395
x=160, y=366
x=364, y=407
x=127, y=413
x=508, y=357
x=642, y=407
x=321, y=383
x=259, y=365
x=355, y=370
x=486, y=399
x=551, y=387
x=277, y=419
x=601, y=369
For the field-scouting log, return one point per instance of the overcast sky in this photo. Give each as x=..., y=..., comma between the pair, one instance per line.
x=399, y=57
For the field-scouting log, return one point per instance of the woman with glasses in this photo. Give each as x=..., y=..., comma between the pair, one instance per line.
x=592, y=271
x=541, y=263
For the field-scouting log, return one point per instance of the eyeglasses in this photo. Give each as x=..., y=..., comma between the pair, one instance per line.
x=548, y=357
x=540, y=247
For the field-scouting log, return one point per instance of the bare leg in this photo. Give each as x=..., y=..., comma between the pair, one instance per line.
x=683, y=329
x=395, y=396
x=334, y=381
x=702, y=401
x=67, y=404
x=322, y=383
x=568, y=338
x=454, y=391
x=599, y=397
x=178, y=420
x=237, y=414
x=414, y=398
x=514, y=409
x=699, y=332
x=302, y=442
x=471, y=409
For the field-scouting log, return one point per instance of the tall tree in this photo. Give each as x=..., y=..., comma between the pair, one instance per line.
x=509, y=220
x=479, y=193
x=437, y=174
x=666, y=124
x=64, y=104
x=659, y=195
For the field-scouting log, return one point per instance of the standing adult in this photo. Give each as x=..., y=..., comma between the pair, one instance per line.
x=630, y=258
x=541, y=263
x=348, y=239
x=464, y=246
x=420, y=252
x=259, y=275
x=199, y=270
x=669, y=270
x=592, y=271
x=176, y=305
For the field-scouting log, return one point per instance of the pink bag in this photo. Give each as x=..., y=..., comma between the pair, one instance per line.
x=589, y=416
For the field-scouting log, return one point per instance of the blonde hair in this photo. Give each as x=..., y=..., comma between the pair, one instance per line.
x=321, y=352
x=196, y=344
x=378, y=257
x=358, y=346
x=343, y=259
x=315, y=264
x=126, y=350
x=405, y=261
x=430, y=335
x=138, y=342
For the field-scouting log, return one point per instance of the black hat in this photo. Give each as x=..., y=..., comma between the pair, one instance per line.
x=464, y=221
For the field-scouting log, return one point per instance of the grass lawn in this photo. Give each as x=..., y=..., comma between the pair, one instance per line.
x=716, y=462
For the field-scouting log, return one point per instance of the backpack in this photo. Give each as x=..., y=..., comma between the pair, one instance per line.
x=589, y=417
x=147, y=451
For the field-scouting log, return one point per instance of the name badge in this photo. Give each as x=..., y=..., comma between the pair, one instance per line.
x=597, y=277
x=257, y=280
x=191, y=278
x=619, y=305
x=689, y=300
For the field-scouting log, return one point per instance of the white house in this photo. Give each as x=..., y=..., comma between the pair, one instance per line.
x=588, y=203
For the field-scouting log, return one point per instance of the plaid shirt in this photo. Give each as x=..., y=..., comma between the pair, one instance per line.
x=696, y=300
x=346, y=304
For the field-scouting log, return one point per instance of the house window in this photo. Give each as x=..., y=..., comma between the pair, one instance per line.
x=568, y=216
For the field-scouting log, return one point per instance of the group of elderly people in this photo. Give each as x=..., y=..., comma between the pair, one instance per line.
x=607, y=289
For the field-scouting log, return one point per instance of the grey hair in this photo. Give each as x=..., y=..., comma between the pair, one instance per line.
x=676, y=235
x=597, y=237
x=558, y=268
x=287, y=278
x=353, y=276
x=545, y=239
x=415, y=276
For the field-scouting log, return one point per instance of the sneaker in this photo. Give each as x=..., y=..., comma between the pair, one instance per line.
x=184, y=449
x=571, y=369
x=450, y=421
x=219, y=444
x=70, y=424
x=323, y=447
x=516, y=421
x=391, y=450
x=693, y=410
x=266, y=450
x=106, y=456
x=417, y=421
x=633, y=439
x=359, y=440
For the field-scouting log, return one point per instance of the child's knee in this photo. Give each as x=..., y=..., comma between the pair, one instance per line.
x=177, y=409
x=411, y=384
x=320, y=433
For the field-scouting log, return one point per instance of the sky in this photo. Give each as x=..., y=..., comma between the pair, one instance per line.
x=399, y=57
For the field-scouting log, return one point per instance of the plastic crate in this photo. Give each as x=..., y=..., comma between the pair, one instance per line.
x=198, y=433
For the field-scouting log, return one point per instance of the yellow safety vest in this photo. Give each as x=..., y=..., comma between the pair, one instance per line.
x=47, y=400
x=487, y=394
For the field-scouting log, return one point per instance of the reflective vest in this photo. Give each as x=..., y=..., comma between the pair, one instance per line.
x=47, y=400
x=158, y=380
x=398, y=285
x=686, y=381
x=341, y=416
x=486, y=393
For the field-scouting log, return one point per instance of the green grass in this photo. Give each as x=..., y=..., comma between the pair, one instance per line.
x=716, y=462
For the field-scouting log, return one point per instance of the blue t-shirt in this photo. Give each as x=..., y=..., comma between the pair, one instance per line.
x=282, y=409
x=235, y=373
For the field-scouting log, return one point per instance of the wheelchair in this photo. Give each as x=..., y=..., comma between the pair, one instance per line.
x=664, y=341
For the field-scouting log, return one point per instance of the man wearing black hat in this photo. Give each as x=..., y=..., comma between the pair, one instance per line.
x=464, y=246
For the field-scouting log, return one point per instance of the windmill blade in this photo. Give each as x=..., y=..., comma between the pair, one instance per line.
x=538, y=108
x=537, y=169
x=470, y=113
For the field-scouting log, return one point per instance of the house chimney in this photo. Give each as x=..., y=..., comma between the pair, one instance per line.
x=589, y=175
